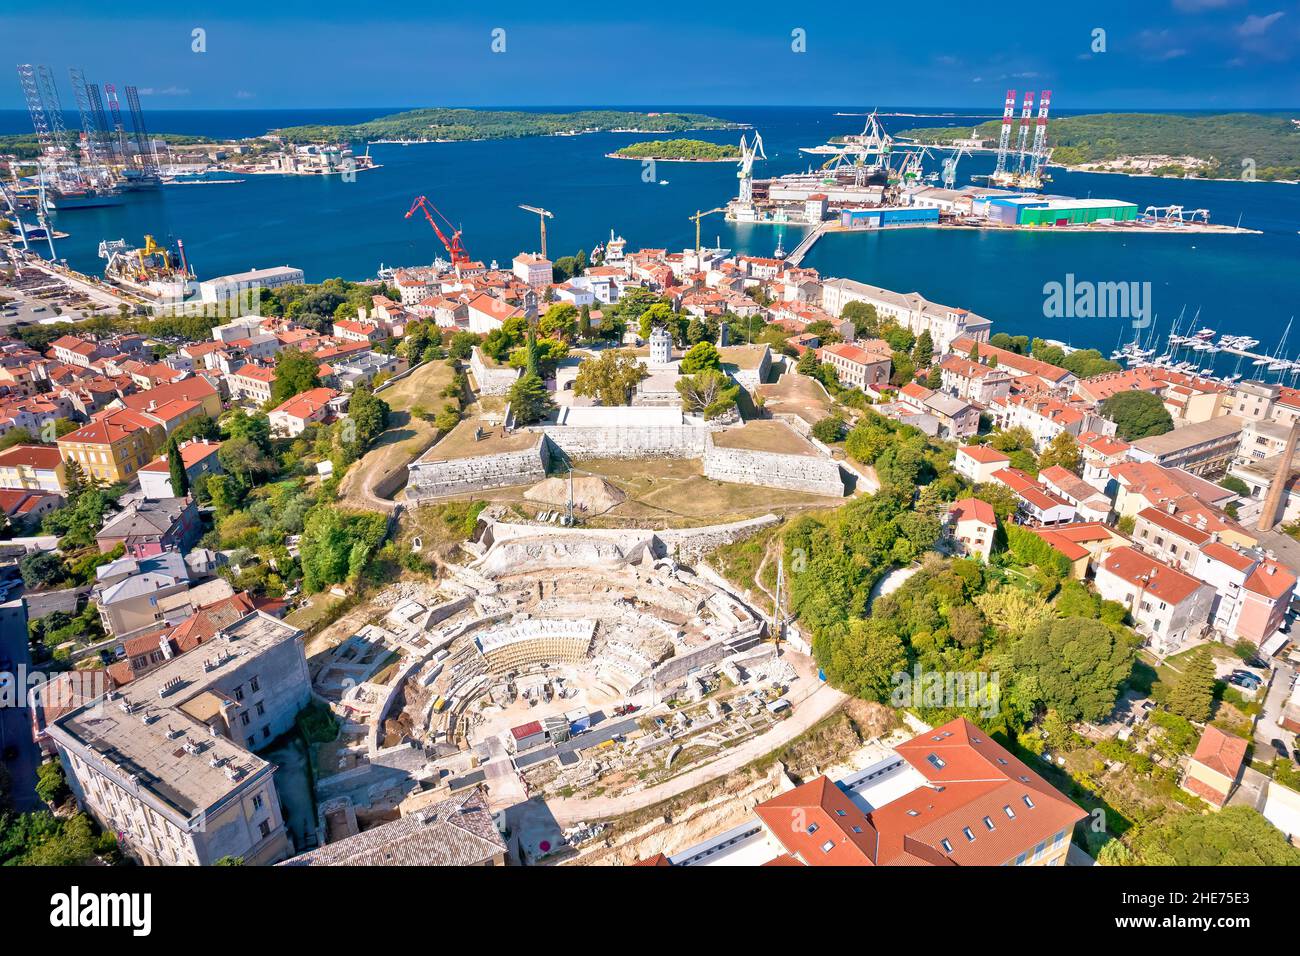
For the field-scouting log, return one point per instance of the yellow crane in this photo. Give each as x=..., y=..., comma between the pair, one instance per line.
x=542, y=216
x=697, y=217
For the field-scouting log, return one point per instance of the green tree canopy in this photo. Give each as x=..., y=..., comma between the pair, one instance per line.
x=1077, y=665
x=700, y=356
x=610, y=378
x=295, y=372
x=1235, y=836
x=1137, y=414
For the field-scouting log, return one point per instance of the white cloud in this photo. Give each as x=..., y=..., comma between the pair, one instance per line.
x=1254, y=26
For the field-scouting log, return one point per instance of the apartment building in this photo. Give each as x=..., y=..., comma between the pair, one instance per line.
x=534, y=269
x=1052, y=377
x=1037, y=507
x=150, y=526
x=252, y=383
x=291, y=418
x=978, y=463
x=198, y=457
x=32, y=468
x=974, y=381
x=1045, y=417
x=972, y=526
x=1205, y=448
x=1167, y=606
x=169, y=764
x=957, y=418
x=114, y=446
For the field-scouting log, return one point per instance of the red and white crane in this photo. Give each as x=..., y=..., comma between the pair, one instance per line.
x=1004, y=140
x=455, y=248
x=1026, y=114
x=1040, y=135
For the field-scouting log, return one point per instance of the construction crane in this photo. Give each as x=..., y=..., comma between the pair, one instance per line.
x=46, y=110
x=455, y=248
x=148, y=158
x=1004, y=139
x=697, y=217
x=99, y=173
x=1023, y=136
x=542, y=216
x=950, y=168
x=119, y=130
x=748, y=153
x=1040, y=137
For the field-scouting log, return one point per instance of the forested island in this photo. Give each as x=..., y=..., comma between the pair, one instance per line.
x=679, y=150
x=1227, y=146
x=456, y=125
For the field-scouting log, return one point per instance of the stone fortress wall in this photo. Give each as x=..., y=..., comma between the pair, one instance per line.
x=806, y=473
x=434, y=478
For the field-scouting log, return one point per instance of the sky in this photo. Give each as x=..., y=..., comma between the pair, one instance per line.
x=282, y=54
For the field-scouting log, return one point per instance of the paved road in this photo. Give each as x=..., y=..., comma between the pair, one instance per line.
x=1267, y=728
x=15, y=722
x=820, y=703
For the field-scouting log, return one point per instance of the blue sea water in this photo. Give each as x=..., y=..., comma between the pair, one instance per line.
x=328, y=227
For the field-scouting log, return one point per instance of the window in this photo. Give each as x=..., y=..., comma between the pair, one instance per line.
x=244, y=719
x=252, y=742
x=1011, y=814
x=261, y=708
x=1002, y=761
x=813, y=828
x=912, y=813
x=1021, y=859
x=988, y=822
x=857, y=829
x=258, y=802
x=828, y=846
x=966, y=832
x=936, y=761
x=254, y=686
x=266, y=732
x=1029, y=803
x=265, y=828
x=947, y=847
x=239, y=693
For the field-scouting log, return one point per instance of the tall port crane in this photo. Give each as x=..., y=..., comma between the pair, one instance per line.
x=149, y=165
x=455, y=248
x=1004, y=139
x=1040, y=136
x=950, y=168
x=697, y=217
x=542, y=216
x=1023, y=137
x=748, y=153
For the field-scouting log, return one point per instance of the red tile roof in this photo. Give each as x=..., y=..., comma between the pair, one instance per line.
x=972, y=509
x=1151, y=576
x=983, y=454
x=1220, y=752
x=33, y=456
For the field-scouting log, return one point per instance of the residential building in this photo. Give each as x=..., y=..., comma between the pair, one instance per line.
x=252, y=383
x=972, y=526
x=1214, y=770
x=291, y=418
x=150, y=526
x=855, y=366
x=1052, y=377
x=168, y=764
x=114, y=446
x=1037, y=506
x=974, y=381
x=1167, y=606
x=957, y=418
x=198, y=456
x=1091, y=503
x=1081, y=543
x=533, y=269
x=1101, y=452
x=1203, y=449
x=1045, y=417
x=147, y=651
x=1253, y=591
x=32, y=468
x=978, y=463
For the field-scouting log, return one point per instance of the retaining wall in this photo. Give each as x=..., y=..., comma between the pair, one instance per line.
x=433, y=479
x=808, y=473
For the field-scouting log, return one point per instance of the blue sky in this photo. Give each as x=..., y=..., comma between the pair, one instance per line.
x=1227, y=54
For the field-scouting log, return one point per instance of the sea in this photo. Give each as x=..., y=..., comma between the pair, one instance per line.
x=1236, y=284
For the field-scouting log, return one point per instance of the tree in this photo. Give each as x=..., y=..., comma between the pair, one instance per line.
x=862, y=659
x=180, y=479
x=50, y=783
x=1063, y=450
x=923, y=350
x=829, y=430
x=584, y=323
x=1137, y=415
x=1192, y=695
x=709, y=393
x=255, y=428
x=201, y=426
x=369, y=415
x=559, y=321
x=16, y=436
x=1013, y=609
x=295, y=372
x=245, y=459
x=1077, y=665
x=1235, y=485
x=701, y=356
x=609, y=378
x=529, y=400
x=1235, y=836
x=864, y=317
x=41, y=569
x=336, y=545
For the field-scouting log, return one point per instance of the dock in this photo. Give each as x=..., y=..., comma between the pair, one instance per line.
x=808, y=241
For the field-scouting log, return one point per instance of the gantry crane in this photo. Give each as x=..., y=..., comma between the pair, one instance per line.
x=542, y=216
x=697, y=217
x=455, y=248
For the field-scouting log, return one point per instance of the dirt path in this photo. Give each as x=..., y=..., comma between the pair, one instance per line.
x=821, y=703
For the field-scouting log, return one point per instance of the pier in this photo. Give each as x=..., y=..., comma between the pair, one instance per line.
x=808, y=241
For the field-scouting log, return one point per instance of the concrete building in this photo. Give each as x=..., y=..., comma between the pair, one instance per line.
x=1203, y=449
x=1037, y=507
x=1167, y=606
x=199, y=457
x=169, y=765
x=974, y=381
x=856, y=366
x=150, y=526
x=912, y=311
x=534, y=269
x=247, y=285
x=290, y=418
x=252, y=383
x=32, y=468
x=114, y=446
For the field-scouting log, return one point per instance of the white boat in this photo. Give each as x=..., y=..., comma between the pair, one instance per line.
x=1205, y=334
x=663, y=182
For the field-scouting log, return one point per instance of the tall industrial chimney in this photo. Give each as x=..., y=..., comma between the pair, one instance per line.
x=1268, y=515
